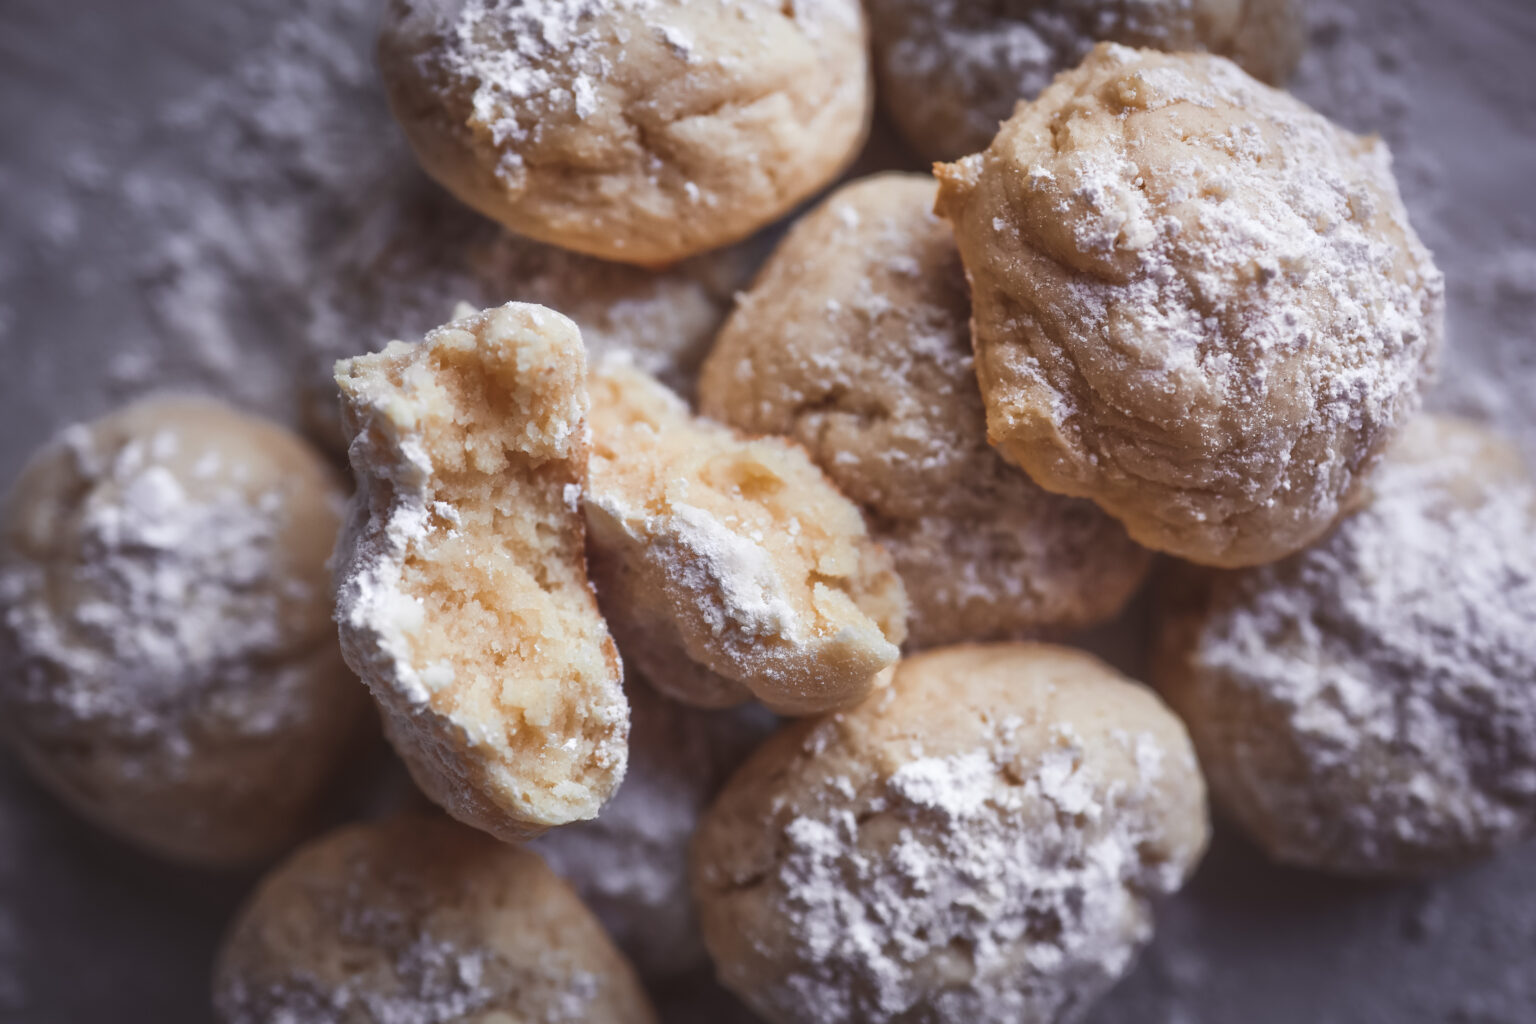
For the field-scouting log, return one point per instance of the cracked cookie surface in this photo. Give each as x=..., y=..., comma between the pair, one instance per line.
x=1368, y=706
x=1197, y=302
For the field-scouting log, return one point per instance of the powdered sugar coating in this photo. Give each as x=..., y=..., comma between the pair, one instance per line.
x=951, y=70
x=638, y=130
x=855, y=341
x=1369, y=705
x=1197, y=302
x=167, y=663
x=420, y=921
x=979, y=842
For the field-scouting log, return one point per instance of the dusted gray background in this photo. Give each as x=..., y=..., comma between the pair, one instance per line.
x=164, y=183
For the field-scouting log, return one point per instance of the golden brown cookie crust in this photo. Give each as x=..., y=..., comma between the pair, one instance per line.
x=1196, y=301
x=855, y=341
x=643, y=131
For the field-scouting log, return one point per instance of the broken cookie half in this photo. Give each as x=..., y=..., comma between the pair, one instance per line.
x=729, y=567
x=462, y=593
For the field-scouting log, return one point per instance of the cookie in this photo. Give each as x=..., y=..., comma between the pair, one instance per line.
x=462, y=593
x=729, y=567
x=1197, y=302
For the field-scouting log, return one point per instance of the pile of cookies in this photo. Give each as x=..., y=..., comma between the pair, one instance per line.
x=766, y=664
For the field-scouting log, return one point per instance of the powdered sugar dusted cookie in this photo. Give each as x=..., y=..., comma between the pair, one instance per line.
x=1368, y=706
x=462, y=590
x=980, y=842
x=636, y=130
x=951, y=71
x=167, y=660
x=1197, y=302
x=855, y=340
x=420, y=921
x=730, y=568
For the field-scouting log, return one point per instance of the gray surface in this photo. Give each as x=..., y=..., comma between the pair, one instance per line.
x=92, y=932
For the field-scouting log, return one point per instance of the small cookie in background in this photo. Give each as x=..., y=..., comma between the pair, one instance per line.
x=1196, y=301
x=420, y=919
x=1368, y=706
x=951, y=71
x=730, y=568
x=462, y=592
x=643, y=132
x=982, y=841
x=855, y=341
x=168, y=664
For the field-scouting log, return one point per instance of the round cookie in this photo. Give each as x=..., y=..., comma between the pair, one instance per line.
x=418, y=919
x=1368, y=706
x=418, y=251
x=168, y=665
x=951, y=71
x=855, y=341
x=979, y=842
x=630, y=865
x=1196, y=301
x=643, y=131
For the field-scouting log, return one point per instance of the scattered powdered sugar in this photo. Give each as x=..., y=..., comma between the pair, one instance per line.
x=418, y=251
x=983, y=887
x=433, y=983
x=713, y=558
x=1397, y=660
x=160, y=597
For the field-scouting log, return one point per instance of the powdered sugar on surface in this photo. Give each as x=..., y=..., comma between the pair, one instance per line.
x=985, y=888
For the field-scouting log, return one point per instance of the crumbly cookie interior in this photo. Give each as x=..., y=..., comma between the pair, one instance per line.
x=508, y=643
x=792, y=583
